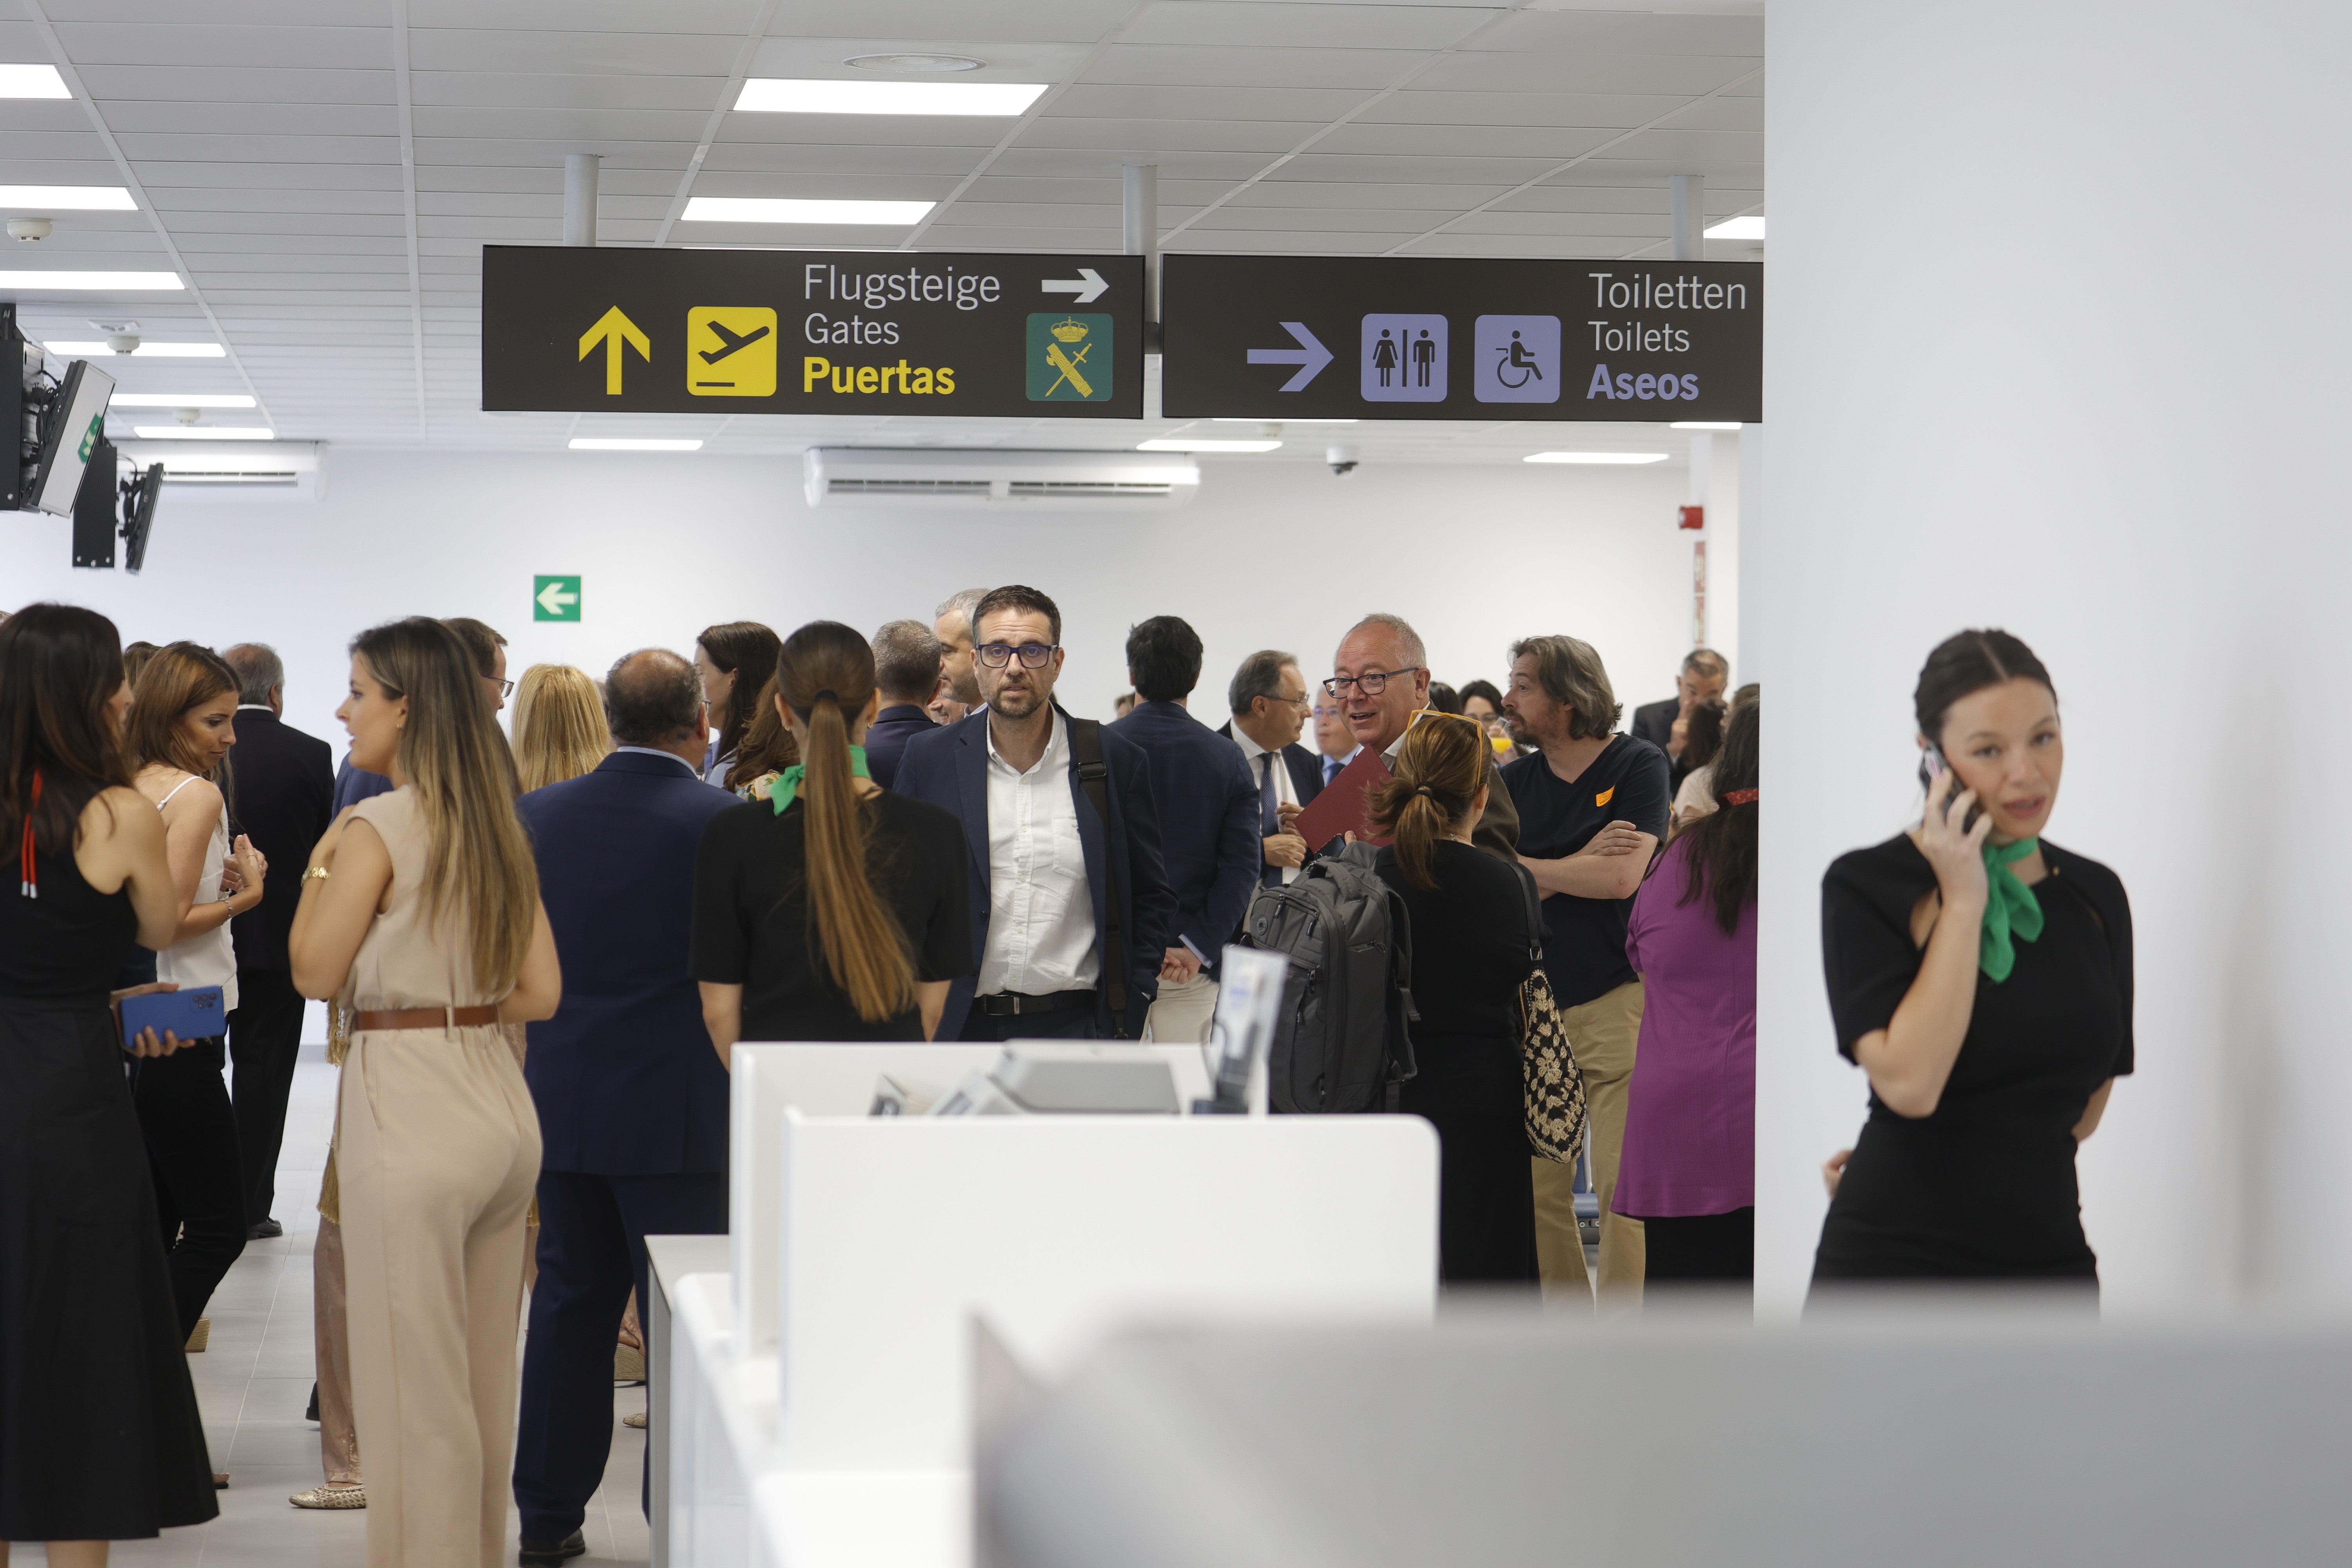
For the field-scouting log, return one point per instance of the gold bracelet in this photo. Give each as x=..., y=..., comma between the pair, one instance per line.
x=317, y=874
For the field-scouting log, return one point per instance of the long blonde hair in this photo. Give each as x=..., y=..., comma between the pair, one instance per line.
x=457, y=763
x=559, y=726
x=824, y=675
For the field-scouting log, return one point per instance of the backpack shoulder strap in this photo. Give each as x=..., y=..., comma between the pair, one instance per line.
x=1094, y=778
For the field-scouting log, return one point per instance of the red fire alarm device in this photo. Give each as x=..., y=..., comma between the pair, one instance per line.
x=1693, y=518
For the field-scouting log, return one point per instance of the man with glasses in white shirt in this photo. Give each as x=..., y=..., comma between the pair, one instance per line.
x=1379, y=678
x=1071, y=908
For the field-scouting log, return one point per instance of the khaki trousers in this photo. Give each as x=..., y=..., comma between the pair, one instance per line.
x=1180, y=1015
x=338, y=1435
x=1604, y=1032
x=440, y=1152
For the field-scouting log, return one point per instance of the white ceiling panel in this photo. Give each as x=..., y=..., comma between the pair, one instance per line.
x=574, y=54
x=236, y=84
x=1176, y=65
x=1264, y=23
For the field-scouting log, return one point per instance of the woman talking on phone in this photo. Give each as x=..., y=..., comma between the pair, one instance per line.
x=1982, y=977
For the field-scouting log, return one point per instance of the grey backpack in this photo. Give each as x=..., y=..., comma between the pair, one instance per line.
x=1341, y=1044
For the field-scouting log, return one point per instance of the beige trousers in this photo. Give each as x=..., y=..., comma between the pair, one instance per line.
x=339, y=1437
x=1180, y=1015
x=440, y=1152
x=1604, y=1032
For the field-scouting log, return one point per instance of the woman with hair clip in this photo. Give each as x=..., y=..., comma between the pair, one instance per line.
x=834, y=909
x=420, y=915
x=1982, y=977
x=1689, y=1170
x=100, y=1435
x=768, y=749
x=1471, y=950
x=179, y=732
x=560, y=731
x=733, y=659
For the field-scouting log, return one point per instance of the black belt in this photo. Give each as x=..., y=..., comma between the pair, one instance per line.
x=1017, y=1004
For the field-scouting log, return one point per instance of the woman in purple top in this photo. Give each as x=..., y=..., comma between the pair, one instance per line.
x=1689, y=1166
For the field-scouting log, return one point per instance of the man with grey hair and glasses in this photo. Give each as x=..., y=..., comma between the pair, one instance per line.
x=1379, y=678
x=1665, y=723
x=1269, y=703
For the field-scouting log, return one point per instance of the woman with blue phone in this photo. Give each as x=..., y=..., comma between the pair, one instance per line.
x=99, y=1437
x=1982, y=977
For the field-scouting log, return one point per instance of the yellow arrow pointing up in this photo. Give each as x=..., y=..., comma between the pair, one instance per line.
x=613, y=329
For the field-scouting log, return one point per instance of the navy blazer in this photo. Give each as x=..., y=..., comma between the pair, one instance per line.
x=948, y=767
x=887, y=738
x=624, y=1075
x=281, y=786
x=1305, y=767
x=1209, y=820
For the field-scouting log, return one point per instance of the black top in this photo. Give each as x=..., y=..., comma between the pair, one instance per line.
x=1985, y=1185
x=751, y=904
x=281, y=790
x=1469, y=959
x=1584, y=939
x=67, y=943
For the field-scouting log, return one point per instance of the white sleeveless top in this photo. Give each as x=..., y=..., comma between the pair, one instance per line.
x=209, y=958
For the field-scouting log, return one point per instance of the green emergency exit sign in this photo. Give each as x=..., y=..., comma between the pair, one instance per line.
x=555, y=598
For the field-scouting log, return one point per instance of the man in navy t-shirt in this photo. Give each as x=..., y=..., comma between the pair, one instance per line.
x=1592, y=807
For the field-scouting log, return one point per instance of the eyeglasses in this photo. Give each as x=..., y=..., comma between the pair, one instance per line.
x=997, y=655
x=1371, y=683
x=506, y=689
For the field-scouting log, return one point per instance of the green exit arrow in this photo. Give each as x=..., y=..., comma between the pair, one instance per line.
x=555, y=599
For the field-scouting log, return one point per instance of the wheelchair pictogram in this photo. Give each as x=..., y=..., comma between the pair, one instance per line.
x=1519, y=359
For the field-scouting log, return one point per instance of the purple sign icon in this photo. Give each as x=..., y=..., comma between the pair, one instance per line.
x=1404, y=358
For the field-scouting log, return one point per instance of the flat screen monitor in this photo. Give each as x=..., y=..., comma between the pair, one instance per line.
x=139, y=515
x=71, y=427
x=94, y=509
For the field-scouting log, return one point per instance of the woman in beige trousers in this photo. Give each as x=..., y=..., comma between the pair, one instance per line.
x=420, y=913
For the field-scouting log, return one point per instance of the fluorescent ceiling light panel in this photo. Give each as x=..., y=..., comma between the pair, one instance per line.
x=205, y=433
x=796, y=209
x=186, y=400
x=1279, y=419
x=1739, y=228
x=1677, y=425
x=144, y=350
x=109, y=283
x=1197, y=444
x=1595, y=457
x=32, y=81
x=630, y=443
x=783, y=95
x=68, y=199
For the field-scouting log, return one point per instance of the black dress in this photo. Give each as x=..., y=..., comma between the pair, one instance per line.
x=100, y=1438
x=751, y=914
x=1470, y=955
x=1984, y=1186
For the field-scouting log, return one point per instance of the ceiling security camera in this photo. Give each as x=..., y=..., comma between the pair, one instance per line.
x=1343, y=459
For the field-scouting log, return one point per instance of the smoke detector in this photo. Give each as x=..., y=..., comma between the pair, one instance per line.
x=121, y=337
x=27, y=230
x=187, y=416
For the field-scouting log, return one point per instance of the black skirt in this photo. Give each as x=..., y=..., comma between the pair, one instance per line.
x=99, y=1436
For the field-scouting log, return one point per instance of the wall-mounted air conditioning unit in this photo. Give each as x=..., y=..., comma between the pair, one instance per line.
x=932, y=476
x=235, y=470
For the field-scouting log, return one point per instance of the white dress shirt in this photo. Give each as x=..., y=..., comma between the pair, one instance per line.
x=1285, y=792
x=1040, y=911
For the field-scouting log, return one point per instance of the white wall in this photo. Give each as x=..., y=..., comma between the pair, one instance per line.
x=1280, y=555
x=2054, y=348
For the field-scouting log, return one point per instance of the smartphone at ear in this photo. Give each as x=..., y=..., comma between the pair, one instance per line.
x=1932, y=766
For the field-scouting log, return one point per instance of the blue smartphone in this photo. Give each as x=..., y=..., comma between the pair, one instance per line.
x=194, y=1013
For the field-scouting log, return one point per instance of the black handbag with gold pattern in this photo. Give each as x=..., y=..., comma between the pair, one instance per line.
x=1555, y=1086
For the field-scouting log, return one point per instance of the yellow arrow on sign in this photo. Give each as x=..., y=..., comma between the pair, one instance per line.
x=613, y=329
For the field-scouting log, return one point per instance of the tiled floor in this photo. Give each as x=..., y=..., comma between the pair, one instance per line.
x=254, y=1380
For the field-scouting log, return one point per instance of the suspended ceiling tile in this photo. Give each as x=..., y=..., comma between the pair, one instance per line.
x=1364, y=71
x=209, y=45
x=540, y=90
x=1270, y=23
x=238, y=84
x=636, y=53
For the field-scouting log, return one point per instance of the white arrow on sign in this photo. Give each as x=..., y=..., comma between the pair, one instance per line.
x=552, y=599
x=1310, y=356
x=1088, y=286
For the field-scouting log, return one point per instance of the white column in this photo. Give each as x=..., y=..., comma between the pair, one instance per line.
x=1687, y=196
x=580, y=180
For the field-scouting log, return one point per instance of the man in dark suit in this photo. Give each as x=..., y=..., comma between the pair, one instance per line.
x=281, y=782
x=1269, y=697
x=632, y=1099
x=906, y=672
x=1208, y=805
x=1663, y=723
x=1071, y=911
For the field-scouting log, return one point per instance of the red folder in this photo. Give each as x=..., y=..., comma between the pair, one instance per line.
x=1342, y=807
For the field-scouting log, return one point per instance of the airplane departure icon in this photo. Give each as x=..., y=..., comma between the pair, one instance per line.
x=730, y=341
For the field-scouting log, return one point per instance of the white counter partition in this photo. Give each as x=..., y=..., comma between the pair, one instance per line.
x=894, y=1233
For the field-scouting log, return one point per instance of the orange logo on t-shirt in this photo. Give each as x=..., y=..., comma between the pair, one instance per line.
x=1605, y=796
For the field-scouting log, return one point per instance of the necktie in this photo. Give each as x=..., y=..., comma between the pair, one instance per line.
x=1269, y=814
x=1330, y=769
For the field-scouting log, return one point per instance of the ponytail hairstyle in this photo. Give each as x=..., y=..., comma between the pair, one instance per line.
x=1721, y=862
x=1439, y=771
x=479, y=862
x=60, y=665
x=175, y=679
x=825, y=676
x=1965, y=663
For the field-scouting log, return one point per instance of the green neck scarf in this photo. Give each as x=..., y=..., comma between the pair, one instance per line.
x=789, y=785
x=2010, y=910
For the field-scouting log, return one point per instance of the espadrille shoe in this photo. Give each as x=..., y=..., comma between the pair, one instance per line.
x=628, y=1364
x=202, y=1337
x=330, y=1496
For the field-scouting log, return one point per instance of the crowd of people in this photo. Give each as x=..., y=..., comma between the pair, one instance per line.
x=539, y=954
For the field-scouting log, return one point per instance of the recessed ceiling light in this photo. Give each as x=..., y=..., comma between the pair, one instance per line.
x=144, y=350
x=630, y=443
x=1595, y=457
x=205, y=433
x=68, y=199
x=32, y=81
x=1194, y=443
x=1220, y=419
x=795, y=209
x=914, y=62
x=180, y=400
x=109, y=283
x=1739, y=228
x=1677, y=425
x=779, y=95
